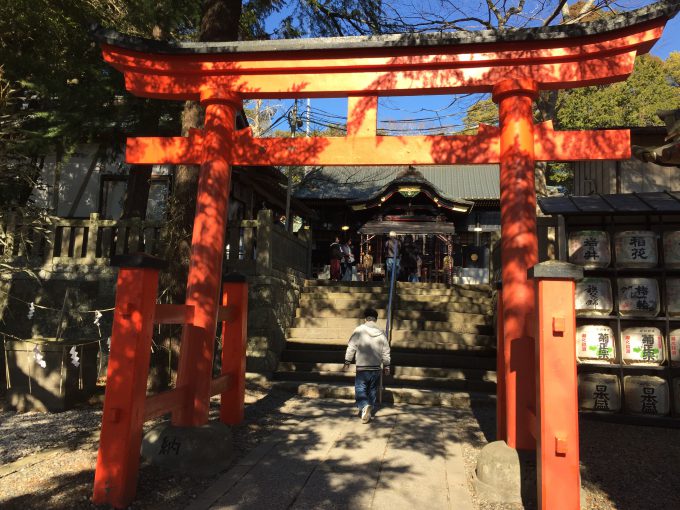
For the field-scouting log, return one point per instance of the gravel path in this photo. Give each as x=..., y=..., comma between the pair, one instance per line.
x=64, y=480
x=622, y=466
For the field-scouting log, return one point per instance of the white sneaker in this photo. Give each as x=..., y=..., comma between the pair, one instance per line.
x=366, y=414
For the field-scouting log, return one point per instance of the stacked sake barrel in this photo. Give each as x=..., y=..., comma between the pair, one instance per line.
x=617, y=305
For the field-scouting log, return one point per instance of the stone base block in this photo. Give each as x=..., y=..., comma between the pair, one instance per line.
x=202, y=451
x=499, y=474
x=504, y=475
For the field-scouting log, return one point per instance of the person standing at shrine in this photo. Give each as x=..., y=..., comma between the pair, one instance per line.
x=336, y=257
x=369, y=345
x=392, y=255
x=367, y=264
x=347, y=262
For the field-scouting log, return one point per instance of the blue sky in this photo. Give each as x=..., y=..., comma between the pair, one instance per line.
x=670, y=41
x=430, y=114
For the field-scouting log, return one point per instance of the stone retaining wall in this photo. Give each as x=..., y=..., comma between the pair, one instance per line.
x=273, y=300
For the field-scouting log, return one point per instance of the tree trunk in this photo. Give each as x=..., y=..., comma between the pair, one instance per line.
x=220, y=22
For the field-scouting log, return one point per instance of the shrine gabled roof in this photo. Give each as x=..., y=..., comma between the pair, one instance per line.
x=661, y=9
x=464, y=182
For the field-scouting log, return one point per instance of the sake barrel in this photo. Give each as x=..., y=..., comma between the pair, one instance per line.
x=595, y=344
x=636, y=248
x=674, y=341
x=590, y=248
x=646, y=394
x=671, y=249
x=676, y=392
x=599, y=392
x=642, y=345
x=638, y=297
x=673, y=296
x=594, y=297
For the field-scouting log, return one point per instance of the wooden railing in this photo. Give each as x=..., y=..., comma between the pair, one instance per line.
x=253, y=247
x=63, y=241
x=289, y=251
x=257, y=246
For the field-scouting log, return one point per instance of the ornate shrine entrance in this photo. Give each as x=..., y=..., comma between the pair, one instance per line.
x=537, y=405
x=423, y=219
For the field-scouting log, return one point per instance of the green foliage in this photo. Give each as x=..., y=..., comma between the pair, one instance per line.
x=559, y=173
x=672, y=67
x=64, y=94
x=653, y=86
x=482, y=112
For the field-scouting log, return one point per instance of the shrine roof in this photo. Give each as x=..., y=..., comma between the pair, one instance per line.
x=466, y=182
x=661, y=202
x=658, y=10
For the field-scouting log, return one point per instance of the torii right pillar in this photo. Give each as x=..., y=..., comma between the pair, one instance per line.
x=519, y=252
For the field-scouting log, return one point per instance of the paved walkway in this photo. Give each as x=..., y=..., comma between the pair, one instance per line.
x=407, y=458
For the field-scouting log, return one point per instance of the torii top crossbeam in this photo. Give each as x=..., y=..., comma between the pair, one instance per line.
x=554, y=57
x=363, y=68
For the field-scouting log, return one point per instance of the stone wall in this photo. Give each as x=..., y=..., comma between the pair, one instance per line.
x=73, y=273
x=63, y=302
x=273, y=300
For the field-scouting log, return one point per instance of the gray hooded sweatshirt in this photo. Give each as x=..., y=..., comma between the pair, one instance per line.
x=370, y=345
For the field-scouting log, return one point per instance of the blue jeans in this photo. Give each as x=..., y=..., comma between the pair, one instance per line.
x=391, y=265
x=366, y=387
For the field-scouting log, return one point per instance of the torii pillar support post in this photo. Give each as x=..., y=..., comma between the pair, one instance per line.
x=519, y=252
x=205, y=269
x=115, y=479
x=558, y=483
x=234, y=342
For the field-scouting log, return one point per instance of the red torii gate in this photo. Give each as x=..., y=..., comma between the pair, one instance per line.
x=511, y=65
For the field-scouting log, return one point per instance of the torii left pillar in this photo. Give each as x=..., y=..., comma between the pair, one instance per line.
x=205, y=268
x=519, y=252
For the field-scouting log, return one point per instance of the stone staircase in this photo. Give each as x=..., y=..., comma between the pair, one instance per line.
x=443, y=343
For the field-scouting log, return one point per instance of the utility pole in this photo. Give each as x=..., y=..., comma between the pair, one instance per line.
x=295, y=122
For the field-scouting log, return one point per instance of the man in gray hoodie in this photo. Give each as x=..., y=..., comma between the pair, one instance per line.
x=371, y=348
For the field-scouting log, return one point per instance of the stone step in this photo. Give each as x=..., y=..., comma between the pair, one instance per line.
x=332, y=313
x=453, y=306
x=462, y=324
x=480, y=360
x=344, y=323
x=310, y=308
x=411, y=315
x=454, y=399
x=363, y=300
x=321, y=292
x=478, y=343
x=425, y=298
x=332, y=283
x=424, y=285
x=398, y=335
x=441, y=315
x=398, y=372
x=400, y=285
x=460, y=384
x=451, y=292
